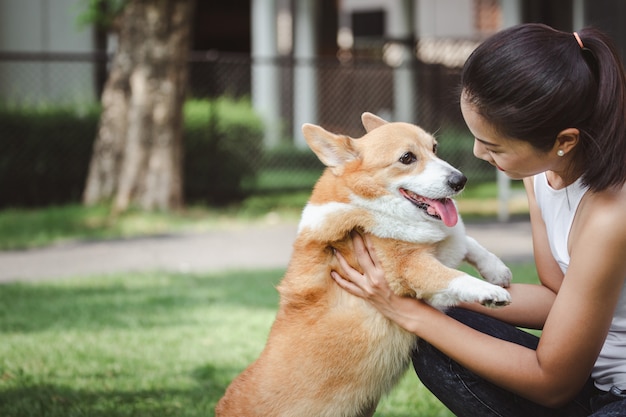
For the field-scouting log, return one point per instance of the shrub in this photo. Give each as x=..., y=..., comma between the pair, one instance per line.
x=222, y=148
x=456, y=147
x=44, y=154
x=287, y=168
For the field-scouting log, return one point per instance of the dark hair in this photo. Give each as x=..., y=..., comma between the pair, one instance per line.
x=532, y=81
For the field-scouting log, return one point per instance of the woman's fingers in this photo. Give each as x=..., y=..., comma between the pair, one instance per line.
x=367, y=258
x=354, y=276
x=346, y=268
x=371, y=250
x=362, y=252
x=353, y=285
x=346, y=285
x=359, y=246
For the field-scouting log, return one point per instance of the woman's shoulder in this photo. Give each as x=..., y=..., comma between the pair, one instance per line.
x=612, y=198
x=597, y=239
x=603, y=212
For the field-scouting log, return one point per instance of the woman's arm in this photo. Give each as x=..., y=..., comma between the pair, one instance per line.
x=529, y=308
x=573, y=333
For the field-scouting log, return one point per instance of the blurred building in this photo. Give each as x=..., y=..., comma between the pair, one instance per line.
x=301, y=50
x=320, y=61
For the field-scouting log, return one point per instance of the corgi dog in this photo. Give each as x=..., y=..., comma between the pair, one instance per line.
x=329, y=353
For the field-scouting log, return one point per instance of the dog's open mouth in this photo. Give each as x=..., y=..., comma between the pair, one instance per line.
x=441, y=208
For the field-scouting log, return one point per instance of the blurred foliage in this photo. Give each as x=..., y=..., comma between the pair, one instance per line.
x=101, y=13
x=45, y=153
x=223, y=139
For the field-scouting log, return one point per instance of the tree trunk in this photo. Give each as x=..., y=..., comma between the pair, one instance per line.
x=137, y=153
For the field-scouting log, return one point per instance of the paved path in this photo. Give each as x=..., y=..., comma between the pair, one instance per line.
x=258, y=246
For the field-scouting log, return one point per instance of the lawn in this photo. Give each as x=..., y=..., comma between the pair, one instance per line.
x=149, y=344
x=153, y=344
x=28, y=228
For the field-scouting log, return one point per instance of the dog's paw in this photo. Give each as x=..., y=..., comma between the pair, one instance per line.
x=471, y=290
x=496, y=272
x=499, y=274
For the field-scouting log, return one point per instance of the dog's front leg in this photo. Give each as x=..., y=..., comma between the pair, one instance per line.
x=468, y=289
x=487, y=264
x=442, y=286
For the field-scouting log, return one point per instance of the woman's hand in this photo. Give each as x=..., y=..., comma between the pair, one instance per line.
x=372, y=282
x=372, y=286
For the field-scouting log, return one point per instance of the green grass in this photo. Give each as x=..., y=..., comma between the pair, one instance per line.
x=150, y=344
x=28, y=228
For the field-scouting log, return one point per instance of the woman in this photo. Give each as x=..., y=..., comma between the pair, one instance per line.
x=548, y=107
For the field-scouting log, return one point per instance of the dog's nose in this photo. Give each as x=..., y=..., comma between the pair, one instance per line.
x=457, y=181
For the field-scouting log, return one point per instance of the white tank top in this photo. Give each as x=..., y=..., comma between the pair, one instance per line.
x=558, y=208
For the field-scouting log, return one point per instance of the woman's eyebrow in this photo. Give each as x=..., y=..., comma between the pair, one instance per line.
x=484, y=142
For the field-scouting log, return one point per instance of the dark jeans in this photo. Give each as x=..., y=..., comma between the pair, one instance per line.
x=466, y=394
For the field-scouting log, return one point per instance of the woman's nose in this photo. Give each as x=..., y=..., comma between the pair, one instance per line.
x=480, y=151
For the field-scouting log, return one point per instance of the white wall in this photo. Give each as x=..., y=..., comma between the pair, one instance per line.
x=445, y=18
x=433, y=18
x=48, y=26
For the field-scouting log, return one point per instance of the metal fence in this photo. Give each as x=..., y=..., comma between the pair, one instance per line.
x=345, y=90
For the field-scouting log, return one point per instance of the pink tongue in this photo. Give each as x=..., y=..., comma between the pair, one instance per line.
x=445, y=209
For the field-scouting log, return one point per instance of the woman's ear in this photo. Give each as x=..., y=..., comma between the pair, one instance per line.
x=566, y=140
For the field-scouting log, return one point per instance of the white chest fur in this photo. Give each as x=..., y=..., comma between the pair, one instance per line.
x=394, y=221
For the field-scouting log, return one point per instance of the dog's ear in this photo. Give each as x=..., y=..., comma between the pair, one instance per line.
x=371, y=121
x=333, y=150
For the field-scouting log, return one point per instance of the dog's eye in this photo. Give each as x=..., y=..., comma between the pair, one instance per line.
x=435, y=147
x=408, y=158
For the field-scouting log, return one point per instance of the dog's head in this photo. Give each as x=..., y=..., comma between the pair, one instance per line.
x=393, y=168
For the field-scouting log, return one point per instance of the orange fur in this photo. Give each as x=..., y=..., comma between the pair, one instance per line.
x=329, y=353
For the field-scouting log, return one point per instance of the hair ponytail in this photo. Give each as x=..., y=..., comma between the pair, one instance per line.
x=531, y=82
x=604, y=145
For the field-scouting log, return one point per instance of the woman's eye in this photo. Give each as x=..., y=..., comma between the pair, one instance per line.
x=408, y=158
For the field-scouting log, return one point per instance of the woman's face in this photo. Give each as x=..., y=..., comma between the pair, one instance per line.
x=516, y=158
